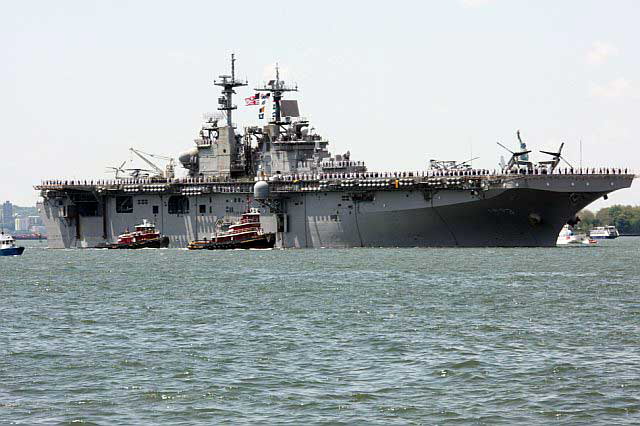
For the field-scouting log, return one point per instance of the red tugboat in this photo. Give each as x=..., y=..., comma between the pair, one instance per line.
x=245, y=234
x=145, y=236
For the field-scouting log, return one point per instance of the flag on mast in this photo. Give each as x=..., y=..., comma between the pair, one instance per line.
x=253, y=100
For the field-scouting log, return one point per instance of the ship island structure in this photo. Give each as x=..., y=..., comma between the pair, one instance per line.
x=310, y=198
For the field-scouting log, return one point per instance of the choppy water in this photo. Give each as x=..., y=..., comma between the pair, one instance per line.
x=367, y=336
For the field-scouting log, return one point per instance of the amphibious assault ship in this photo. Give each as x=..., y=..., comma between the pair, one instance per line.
x=311, y=198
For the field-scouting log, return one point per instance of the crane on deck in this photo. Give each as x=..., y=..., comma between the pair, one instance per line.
x=168, y=173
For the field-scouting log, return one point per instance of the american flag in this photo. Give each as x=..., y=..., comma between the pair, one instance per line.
x=251, y=100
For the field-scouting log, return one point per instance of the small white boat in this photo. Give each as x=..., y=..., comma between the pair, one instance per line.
x=8, y=246
x=604, y=232
x=568, y=237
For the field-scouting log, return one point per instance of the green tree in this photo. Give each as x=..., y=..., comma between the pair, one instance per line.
x=625, y=218
x=587, y=219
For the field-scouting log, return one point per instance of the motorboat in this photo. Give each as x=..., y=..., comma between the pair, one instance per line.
x=8, y=246
x=568, y=237
x=604, y=232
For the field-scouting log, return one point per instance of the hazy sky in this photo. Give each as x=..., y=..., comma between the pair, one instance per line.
x=396, y=83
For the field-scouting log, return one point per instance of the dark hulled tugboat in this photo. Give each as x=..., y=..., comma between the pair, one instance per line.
x=245, y=234
x=145, y=236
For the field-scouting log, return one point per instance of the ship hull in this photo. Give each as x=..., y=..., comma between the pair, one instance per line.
x=264, y=241
x=515, y=218
x=526, y=212
x=13, y=251
x=162, y=242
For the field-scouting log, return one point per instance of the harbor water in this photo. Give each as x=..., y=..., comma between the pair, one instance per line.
x=358, y=336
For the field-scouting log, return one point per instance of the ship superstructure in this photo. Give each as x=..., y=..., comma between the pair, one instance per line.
x=311, y=198
x=285, y=146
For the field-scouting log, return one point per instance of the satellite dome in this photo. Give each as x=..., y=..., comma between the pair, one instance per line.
x=187, y=157
x=261, y=190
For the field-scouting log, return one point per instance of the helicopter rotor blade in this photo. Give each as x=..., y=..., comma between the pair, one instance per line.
x=468, y=161
x=555, y=154
x=505, y=148
x=568, y=163
x=138, y=170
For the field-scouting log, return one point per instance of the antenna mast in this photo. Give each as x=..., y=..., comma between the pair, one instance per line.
x=228, y=83
x=277, y=88
x=581, y=153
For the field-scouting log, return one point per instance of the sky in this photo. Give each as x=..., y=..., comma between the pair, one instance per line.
x=395, y=83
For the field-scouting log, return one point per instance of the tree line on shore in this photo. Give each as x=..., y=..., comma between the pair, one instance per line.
x=625, y=218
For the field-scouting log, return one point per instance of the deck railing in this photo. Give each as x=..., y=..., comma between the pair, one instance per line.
x=320, y=181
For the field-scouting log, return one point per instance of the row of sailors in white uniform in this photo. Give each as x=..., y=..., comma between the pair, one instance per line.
x=363, y=175
x=571, y=171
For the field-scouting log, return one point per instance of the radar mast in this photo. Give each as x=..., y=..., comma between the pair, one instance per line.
x=228, y=83
x=277, y=88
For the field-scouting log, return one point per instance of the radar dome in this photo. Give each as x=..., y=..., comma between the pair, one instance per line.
x=261, y=190
x=187, y=157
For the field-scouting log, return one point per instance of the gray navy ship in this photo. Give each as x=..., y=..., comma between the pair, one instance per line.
x=311, y=198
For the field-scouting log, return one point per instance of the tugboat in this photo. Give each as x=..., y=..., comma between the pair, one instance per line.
x=244, y=234
x=8, y=246
x=145, y=236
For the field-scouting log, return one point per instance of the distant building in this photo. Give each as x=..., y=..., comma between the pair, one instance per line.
x=39, y=230
x=6, y=217
x=21, y=224
x=35, y=221
x=7, y=212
